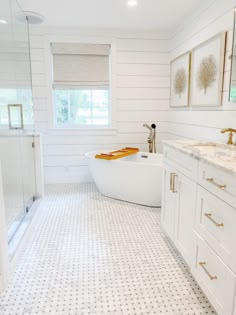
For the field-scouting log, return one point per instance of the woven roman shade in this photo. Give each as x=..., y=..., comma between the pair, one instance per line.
x=80, y=66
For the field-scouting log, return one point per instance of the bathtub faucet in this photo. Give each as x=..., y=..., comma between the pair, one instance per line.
x=152, y=137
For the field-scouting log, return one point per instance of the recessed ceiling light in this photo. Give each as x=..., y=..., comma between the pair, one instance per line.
x=132, y=3
x=2, y=21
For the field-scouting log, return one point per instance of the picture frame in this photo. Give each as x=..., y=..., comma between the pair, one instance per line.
x=207, y=68
x=180, y=80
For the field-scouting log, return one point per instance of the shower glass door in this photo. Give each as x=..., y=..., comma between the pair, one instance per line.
x=16, y=149
x=28, y=170
x=18, y=176
x=10, y=153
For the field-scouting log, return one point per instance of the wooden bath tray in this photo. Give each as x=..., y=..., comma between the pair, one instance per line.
x=114, y=155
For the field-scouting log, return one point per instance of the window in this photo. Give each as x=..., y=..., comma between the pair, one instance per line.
x=233, y=93
x=81, y=85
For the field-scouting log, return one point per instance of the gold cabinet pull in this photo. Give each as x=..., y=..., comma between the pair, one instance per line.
x=209, y=216
x=203, y=265
x=211, y=180
x=172, y=182
x=174, y=177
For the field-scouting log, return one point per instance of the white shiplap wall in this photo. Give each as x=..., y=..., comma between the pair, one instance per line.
x=142, y=92
x=142, y=95
x=213, y=17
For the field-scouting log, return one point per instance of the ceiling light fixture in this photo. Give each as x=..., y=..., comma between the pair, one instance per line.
x=2, y=21
x=132, y=3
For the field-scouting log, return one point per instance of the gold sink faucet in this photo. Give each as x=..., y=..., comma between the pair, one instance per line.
x=231, y=132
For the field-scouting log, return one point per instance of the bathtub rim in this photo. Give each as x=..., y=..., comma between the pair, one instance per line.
x=159, y=162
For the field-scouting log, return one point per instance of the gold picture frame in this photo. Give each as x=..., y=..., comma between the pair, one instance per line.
x=207, y=69
x=180, y=80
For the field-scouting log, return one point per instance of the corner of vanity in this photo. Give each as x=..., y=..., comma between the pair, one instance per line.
x=199, y=215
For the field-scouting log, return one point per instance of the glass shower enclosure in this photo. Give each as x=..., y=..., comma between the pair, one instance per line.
x=17, y=154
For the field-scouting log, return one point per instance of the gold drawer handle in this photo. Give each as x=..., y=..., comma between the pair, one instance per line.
x=209, y=216
x=172, y=182
x=211, y=180
x=203, y=264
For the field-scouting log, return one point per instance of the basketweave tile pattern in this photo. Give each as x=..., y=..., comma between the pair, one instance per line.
x=93, y=255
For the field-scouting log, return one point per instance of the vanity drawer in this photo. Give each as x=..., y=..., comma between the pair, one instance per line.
x=215, y=278
x=220, y=183
x=187, y=165
x=216, y=222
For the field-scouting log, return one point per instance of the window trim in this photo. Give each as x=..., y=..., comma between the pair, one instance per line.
x=49, y=78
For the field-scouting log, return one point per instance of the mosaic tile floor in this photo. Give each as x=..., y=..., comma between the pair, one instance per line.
x=93, y=255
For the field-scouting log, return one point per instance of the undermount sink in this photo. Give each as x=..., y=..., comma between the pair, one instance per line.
x=214, y=150
x=201, y=147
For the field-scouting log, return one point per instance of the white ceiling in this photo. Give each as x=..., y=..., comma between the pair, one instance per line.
x=113, y=14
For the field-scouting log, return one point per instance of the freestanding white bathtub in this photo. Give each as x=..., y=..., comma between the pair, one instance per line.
x=135, y=178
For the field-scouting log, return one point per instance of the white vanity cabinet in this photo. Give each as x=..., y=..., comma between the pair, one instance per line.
x=169, y=196
x=179, y=200
x=215, y=278
x=185, y=239
x=199, y=215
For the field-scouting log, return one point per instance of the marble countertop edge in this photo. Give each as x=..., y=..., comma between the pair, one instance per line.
x=184, y=146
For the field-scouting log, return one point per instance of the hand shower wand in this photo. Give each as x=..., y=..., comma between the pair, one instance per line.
x=152, y=137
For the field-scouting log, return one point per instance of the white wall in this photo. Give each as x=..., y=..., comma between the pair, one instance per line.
x=142, y=95
x=142, y=92
x=212, y=18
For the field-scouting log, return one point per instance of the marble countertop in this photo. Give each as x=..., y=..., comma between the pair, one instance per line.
x=218, y=154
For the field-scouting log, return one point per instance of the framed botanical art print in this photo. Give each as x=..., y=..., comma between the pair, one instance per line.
x=179, y=77
x=207, y=66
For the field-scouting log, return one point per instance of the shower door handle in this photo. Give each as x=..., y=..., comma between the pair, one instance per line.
x=21, y=122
